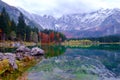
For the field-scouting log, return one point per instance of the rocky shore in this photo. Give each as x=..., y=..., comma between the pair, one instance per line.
x=14, y=61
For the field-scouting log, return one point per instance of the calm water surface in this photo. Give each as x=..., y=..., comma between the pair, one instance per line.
x=100, y=62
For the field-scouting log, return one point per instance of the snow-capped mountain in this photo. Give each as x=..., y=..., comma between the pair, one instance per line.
x=93, y=24
x=98, y=23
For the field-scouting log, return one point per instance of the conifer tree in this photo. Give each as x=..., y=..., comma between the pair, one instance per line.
x=5, y=23
x=21, y=27
x=13, y=26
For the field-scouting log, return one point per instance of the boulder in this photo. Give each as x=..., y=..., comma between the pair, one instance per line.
x=19, y=56
x=12, y=60
x=23, y=49
x=27, y=54
x=37, y=51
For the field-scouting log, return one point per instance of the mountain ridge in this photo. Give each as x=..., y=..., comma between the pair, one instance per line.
x=94, y=24
x=97, y=23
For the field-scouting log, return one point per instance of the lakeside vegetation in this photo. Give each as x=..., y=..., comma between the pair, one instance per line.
x=14, y=44
x=76, y=43
x=102, y=39
x=87, y=42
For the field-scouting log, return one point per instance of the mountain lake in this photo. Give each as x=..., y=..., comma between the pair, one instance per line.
x=97, y=62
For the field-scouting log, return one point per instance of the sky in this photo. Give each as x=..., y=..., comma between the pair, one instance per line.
x=61, y=7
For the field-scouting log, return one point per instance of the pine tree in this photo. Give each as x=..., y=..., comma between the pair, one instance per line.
x=28, y=33
x=21, y=27
x=13, y=26
x=5, y=23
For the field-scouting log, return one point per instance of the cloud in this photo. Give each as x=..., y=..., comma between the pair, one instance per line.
x=60, y=7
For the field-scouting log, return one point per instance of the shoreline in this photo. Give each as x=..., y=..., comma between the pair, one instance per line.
x=15, y=44
x=20, y=61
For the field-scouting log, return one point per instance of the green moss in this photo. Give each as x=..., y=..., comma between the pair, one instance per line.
x=10, y=74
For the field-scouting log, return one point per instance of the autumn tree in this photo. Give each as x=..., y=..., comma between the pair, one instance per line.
x=52, y=36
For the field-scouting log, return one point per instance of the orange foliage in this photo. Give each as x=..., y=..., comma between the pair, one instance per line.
x=52, y=37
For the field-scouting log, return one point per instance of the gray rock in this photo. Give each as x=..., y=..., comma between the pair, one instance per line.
x=23, y=49
x=27, y=54
x=11, y=58
x=37, y=51
x=19, y=56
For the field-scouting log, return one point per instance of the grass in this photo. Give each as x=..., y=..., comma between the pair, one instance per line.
x=9, y=44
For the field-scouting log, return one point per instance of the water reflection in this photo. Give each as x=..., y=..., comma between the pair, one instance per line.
x=54, y=50
x=110, y=47
x=109, y=55
x=2, y=49
x=73, y=66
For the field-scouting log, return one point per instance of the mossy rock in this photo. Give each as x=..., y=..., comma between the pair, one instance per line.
x=4, y=65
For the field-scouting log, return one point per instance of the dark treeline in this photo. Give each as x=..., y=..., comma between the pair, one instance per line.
x=9, y=30
x=110, y=38
x=48, y=36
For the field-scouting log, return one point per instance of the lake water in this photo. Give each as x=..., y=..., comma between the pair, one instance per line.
x=98, y=62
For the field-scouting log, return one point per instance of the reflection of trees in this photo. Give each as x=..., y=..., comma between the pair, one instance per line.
x=107, y=47
x=7, y=49
x=52, y=51
x=108, y=55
